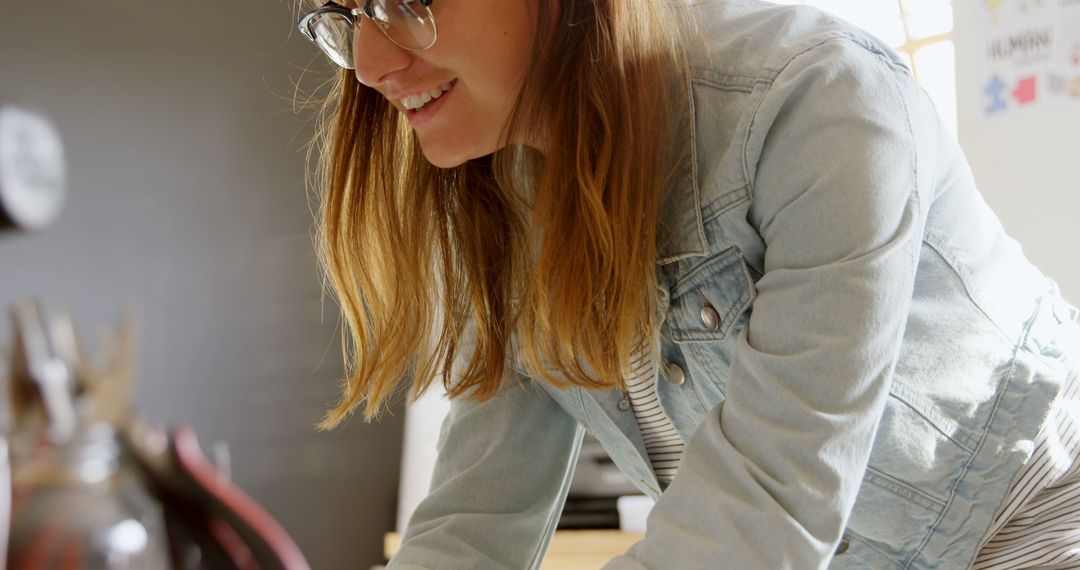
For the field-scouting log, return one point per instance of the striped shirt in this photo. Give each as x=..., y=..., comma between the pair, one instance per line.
x=662, y=440
x=1038, y=524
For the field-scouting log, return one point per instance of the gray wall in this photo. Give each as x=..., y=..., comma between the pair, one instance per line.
x=187, y=202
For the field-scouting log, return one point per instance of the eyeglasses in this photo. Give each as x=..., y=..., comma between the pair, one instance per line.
x=407, y=23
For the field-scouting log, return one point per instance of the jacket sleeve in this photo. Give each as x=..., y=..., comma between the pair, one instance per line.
x=500, y=480
x=769, y=478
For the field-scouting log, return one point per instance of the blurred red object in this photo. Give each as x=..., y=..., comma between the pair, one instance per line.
x=206, y=510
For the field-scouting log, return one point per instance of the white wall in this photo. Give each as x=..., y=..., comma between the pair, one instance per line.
x=1026, y=155
x=423, y=422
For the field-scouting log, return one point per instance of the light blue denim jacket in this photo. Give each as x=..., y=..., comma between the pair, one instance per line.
x=885, y=353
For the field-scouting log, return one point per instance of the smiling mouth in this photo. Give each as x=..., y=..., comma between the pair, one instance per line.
x=419, y=101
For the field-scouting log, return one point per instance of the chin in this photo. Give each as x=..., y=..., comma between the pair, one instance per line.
x=442, y=161
x=449, y=158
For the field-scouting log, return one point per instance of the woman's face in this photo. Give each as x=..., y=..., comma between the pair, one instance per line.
x=483, y=50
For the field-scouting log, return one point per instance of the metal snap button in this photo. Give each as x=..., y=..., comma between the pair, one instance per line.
x=624, y=404
x=842, y=547
x=675, y=374
x=710, y=318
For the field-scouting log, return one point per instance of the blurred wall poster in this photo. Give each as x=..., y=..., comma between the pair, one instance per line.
x=1018, y=90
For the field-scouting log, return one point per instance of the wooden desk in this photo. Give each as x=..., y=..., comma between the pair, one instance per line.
x=569, y=549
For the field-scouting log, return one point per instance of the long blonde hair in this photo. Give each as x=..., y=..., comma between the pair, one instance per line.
x=551, y=256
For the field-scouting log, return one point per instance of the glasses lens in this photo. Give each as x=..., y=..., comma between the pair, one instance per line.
x=334, y=34
x=408, y=23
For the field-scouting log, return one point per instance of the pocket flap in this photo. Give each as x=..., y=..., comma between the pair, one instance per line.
x=706, y=303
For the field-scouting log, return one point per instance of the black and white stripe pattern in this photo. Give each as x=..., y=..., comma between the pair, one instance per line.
x=1038, y=524
x=662, y=440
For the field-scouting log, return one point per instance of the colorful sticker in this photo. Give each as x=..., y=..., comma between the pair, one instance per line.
x=995, y=90
x=1024, y=92
x=993, y=6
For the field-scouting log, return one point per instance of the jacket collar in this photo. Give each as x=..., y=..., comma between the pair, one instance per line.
x=680, y=231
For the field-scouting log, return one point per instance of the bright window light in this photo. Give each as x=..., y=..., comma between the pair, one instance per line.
x=921, y=30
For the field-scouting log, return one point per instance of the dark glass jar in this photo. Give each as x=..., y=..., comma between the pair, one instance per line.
x=78, y=505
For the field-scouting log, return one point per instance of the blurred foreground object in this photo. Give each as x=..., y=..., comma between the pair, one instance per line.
x=32, y=170
x=95, y=488
x=75, y=502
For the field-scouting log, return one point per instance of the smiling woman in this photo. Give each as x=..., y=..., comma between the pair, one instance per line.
x=434, y=194
x=731, y=239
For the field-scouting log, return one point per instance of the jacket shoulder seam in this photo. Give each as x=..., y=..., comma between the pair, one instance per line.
x=769, y=81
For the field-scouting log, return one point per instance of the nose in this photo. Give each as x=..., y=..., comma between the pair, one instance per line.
x=375, y=57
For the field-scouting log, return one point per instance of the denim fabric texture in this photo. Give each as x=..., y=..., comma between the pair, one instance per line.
x=885, y=353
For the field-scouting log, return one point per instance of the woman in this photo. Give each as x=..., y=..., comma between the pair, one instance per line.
x=731, y=240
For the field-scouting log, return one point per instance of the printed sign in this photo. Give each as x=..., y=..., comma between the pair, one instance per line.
x=1024, y=46
x=1031, y=54
x=1018, y=111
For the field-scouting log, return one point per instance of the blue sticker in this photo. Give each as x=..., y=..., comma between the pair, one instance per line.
x=995, y=90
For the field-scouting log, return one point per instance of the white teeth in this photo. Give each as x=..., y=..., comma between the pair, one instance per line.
x=416, y=101
x=423, y=98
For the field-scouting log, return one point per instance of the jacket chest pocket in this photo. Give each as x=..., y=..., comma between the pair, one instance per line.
x=710, y=304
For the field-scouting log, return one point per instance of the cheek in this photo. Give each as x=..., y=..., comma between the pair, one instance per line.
x=516, y=52
x=492, y=82
x=497, y=53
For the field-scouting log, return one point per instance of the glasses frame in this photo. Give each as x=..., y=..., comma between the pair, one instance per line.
x=308, y=21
